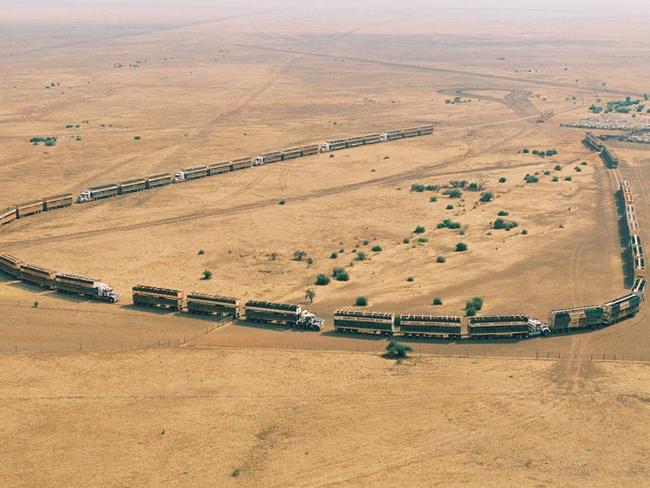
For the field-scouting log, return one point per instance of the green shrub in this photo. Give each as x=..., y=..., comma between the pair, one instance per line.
x=504, y=224
x=558, y=168
x=361, y=301
x=406, y=240
x=340, y=274
x=441, y=259
x=281, y=201
x=486, y=196
x=397, y=349
x=555, y=179
x=419, y=230
x=201, y=252
x=502, y=179
x=568, y=178
x=450, y=207
x=376, y=248
x=410, y=278
x=361, y=256
x=136, y=138
x=207, y=275
x=433, y=199
x=473, y=186
x=334, y=255
x=448, y=224
x=453, y=193
x=524, y=232
x=531, y=179
x=461, y=246
x=503, y=213
x=437, y=301
x=525, y=150
x=322, y=280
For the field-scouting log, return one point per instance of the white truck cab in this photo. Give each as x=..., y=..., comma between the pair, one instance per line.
x=324, y=147
x=179, y=177
x=84, y=197
x=537, y=328
x=106, y=292
x=259, y=161
x=383, y=137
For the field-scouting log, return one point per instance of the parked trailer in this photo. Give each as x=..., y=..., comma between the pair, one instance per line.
x=131, y=186
x=334, y=145
x=592, y=142
x=8, y=215
x=37, y=275
x=207, y=304
x=425, y=130
x=195, y=172
x=282, y=314
x=356, y=322
x=292, y=153
x=29, y=208
x=576, y=318
x=411, y=132
x=267, y=158
x=159, y=179
x=621, y=308
x=89, y=287
x=444, y=327
x=242, y=163
x=107, y=190
x=309, y=150
x=394, y=135
x=639, y=288
x=10, y=264
x=153, y=296
x=499, y=326
x=609, y=156
x=354, y=142
x=57, y=201
x=218, y=168
x=639, y=267
x=372, y=139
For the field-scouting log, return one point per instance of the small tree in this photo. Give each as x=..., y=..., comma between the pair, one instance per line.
x=201, y=252
x=310, y=294
x=450, y=207
x=340, y=274
x=502, y=179
x=398, y=350
x=503, y=213
x=437, y=301
x=207, y=275
x=433, y=199
x=419, y=229
x=281, y=201
x=361, y=301
x=299, y=255
x=376, y=248
x=461, y=246
x=441, y=259
x=486, y=197
x=410, y=279
x=334, y=255
x=361, y=256
x=322, y=280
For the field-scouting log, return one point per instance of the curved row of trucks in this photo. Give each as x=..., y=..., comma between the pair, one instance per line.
x=632, y=224
x=53, y=280
x=33, y=207
x=226, y=307
x=606, y=152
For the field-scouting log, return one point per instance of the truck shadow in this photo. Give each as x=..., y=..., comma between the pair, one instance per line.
x=362, y=337
x=272, y=327
x=624, y=242
x=154, y=310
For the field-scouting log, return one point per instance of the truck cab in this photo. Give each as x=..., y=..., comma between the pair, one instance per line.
x=259, y=161
x=383, y=137
x=324, y=147
x=84, y=197
x=537, y=328
x=179, y=177
x=107, y=293
x=309, y=320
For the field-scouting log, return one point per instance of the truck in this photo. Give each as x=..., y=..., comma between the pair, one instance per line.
x=282, y=314
x=609, y=157
x=372, y=139
x=443, y=327
x=267, y=158
x=411, y=132
x=334, y=145
x=309, y=150
x=354, y=142
x=159, y=179
x=639, y=288
x=57, y=201
x=133, y=185
x=425, y=130
x=357, y=322
x=569, y=319
x=10, y=265
x=621, y=308
x=153, y=296
x=592, y=142
x=639, y=267
x=89, y=287
x=208, y=304
x=394, y=135
x=36, y=275
x=627, y=192
x=218, y=168
x=106, y=190
x=29, y=208
x=8, y=215
x=242, y=163
x=505, y=326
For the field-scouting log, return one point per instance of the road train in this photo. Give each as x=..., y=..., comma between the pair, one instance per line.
x=606, y=152
x=53, y=280
x=226, y=307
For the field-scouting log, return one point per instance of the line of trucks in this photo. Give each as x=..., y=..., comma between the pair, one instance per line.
x=133, y=185
x=606, y=153
x=345, y=321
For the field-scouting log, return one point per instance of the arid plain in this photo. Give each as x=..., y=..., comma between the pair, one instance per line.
x=289, y=408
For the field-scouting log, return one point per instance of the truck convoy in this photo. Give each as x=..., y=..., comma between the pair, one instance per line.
x=282, y=314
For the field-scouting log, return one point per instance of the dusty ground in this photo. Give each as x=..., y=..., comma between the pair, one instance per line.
x=187, y=417
x=202, y=88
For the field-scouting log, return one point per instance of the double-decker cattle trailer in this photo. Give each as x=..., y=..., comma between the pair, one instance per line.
x=357, y=322
x=592, y=142
x=37, y=275
x=372, y=139
x=282, y=314
x=57, y=201
x=354, y=142
x=627, y=192
x=639, y=267
x=442, y=327
x=609, y=157
x=411, y=132
x=131, y=186
x=576, y=318
x=292, y=153
x=267, y=158
x=10, y=265
x=499, y=326
x=639, y=288
x=334, y=145
x=159, y=179
x=8, y=215
x=394, y=135
x=425, y=130
x=207, y=304
x=621, y=308
x=242, y=163
x=309, y=150
x=153, y=296
x=218, y=168
x=195, y=172
x=88, y=287
x=29, y=208
x=107, y=190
